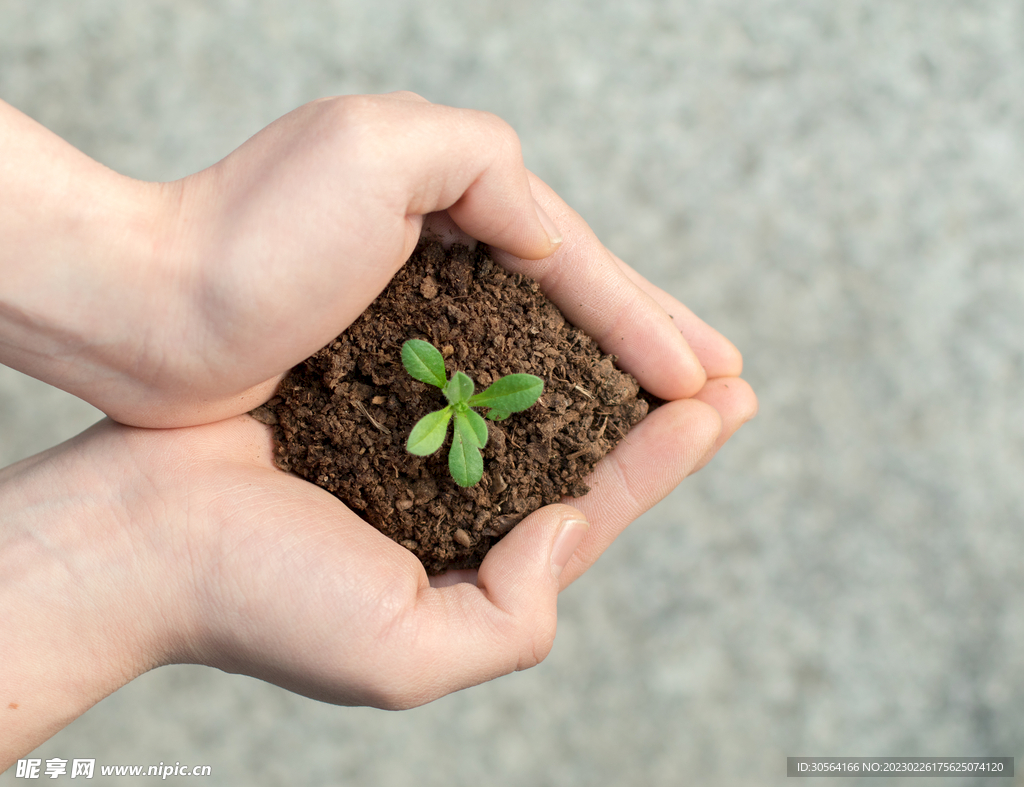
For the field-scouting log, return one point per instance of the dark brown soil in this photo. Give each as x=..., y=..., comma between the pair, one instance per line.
x=341, y=418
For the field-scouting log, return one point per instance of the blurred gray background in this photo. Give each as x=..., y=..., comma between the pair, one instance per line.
x=839, y=188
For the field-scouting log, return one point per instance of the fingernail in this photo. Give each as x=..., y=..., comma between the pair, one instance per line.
x=554, y=234
x=569, y=536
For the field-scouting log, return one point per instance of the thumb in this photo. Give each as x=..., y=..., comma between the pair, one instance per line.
x=509, y=220
x=434, y=158
x=520, y=576
x=469, y=163
x=466, y=634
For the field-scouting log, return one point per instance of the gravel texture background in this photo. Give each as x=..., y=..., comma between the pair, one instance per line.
x=838, y=187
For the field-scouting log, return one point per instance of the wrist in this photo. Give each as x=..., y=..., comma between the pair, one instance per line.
x=87, y=585
x=84, y=256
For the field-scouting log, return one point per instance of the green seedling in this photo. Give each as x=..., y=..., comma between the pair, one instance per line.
x=510, y=394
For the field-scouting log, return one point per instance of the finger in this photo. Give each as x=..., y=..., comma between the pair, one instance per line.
x=431, y=157
x=656, y=455
x=482, y=210
x=587, y=284
x=460, y=635
x=735, y=402
x=717, y=355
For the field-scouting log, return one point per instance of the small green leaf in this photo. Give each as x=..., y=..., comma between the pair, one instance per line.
x=509, y=395
x=465, y=462
x=422, y=361
x=429, y=432
x=477, y=427
x=459, y=388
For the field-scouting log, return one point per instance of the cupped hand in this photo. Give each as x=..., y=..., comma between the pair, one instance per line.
x=183, y=303
x=125, y=549
x=292, y=236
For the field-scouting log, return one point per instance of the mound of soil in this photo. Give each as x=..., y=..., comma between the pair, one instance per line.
x=341, y=418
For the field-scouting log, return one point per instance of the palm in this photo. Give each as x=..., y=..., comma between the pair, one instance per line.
x=280, y=579
x=273, y=577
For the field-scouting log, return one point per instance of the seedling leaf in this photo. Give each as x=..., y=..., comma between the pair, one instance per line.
x=429, y=432
x=459, y=388
x=509, y=395
x=422, y=361
x=477, y=427
x=465, y=462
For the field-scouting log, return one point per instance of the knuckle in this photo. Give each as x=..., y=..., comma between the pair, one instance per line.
x=359, y=129
x=355, y=112
x=408, y=95
x=536, y=643
x=507, y=136
x=503, y=138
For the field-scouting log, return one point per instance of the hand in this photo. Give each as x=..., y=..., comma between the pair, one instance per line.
x=125, y=549
x=184, y=303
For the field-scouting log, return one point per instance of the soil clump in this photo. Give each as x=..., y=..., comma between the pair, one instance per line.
x=342, y=417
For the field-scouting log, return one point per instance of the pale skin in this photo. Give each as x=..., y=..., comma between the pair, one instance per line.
x=165, y=534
